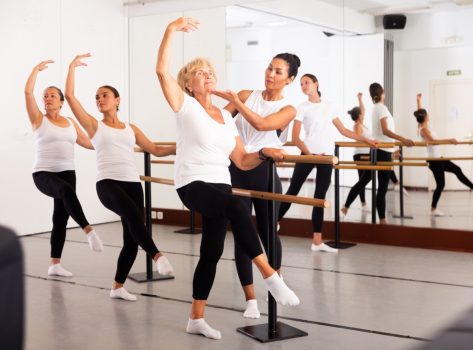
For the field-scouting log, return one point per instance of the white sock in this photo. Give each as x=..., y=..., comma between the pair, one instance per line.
x=199, y=326
x=94, y=241
x=122, y=293
x=280, y=291
x=58, y=270
x=164, y=266
x=251, y=310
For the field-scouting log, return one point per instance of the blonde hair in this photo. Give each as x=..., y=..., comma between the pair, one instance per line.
x=187, y=72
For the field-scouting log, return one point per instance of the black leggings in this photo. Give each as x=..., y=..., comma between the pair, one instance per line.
x=126, y=200
x=255, y=179
x=62, y=187
x=357, y=158
x=218, y=206
x=439, y=167
x=383, y=181
x=322, y=183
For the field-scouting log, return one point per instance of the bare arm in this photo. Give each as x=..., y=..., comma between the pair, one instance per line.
x=419, y=101
x=393, y=135
x=171, y=89
x=248, y=161
x=352, y=135
x=361, y=104
x=82, y=139
x=243, y=96
x=34, y=113
x=88, y=122
x=148, y=146
x=427, y=136
x=274, y=121
x=296, y=137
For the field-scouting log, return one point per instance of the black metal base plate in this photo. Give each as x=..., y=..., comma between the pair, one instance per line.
x=261, y=332
x=141, y=277
x=403, y=217
x=343, y=245
x=188, y=231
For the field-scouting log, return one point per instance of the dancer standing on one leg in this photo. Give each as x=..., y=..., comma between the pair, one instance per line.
x=53, y=170
x=118, y=181
x=206, y=141
x=438, y=167
x=318, y=118
x=383, y=129
x=260, y=116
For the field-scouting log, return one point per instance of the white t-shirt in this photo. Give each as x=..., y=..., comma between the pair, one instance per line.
x=115, y=153
x=432, y=151
x=253, y=139
x=366, y=133
x=54, y=147
x=380, y=111
x=317, y=120
x=203, y=145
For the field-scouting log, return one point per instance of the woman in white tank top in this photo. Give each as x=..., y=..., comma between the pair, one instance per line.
x=118, y=182
x=54, y=171
x=437, y=166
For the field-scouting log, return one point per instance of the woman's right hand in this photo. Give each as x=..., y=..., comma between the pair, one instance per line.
x=454, y=141
x=408, y=142
x=275, y=154
x=184, y=24
x=43, y=65
x=77, y=61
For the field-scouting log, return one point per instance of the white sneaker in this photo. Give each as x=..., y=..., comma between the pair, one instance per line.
x=436, y=212
x=278, y=227
x=122, y=293
x=58, y=270
x=94, y=241
x=323, y=248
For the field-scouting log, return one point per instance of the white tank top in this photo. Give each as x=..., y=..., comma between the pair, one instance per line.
x=115, y=153
x=432, y=151
x=366, y=133
x=253, y=139
x=54, y=147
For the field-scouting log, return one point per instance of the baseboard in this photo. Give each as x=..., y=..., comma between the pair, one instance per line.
x=395, y=235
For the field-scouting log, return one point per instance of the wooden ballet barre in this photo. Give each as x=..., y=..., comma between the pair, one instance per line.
x=314, y=202
x=364, y=167
x=285, y=165
x=385, y=163
x=363, y=144
x=440, y=158
x=162, y=161
x=433, y=143
x=308, y=159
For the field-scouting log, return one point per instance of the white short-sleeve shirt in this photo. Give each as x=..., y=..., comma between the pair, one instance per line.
x=380, y=111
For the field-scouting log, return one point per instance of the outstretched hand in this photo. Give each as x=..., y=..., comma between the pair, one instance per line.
x=184, y=24
x=228, y=95
x=419, y=96
x=77, y=61
x=359, y=95
x=43, y=65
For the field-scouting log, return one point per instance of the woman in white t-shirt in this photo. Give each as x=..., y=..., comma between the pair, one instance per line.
x=118, y=182
x=206, y=141
x=382, y=130
x=438, y=167
x=321, y=122
x=260, y=117
x=54, y=171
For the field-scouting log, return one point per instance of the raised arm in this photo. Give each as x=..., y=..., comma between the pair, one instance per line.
x=275, y=121
x=171, y=89
x=82, y=139
x=247, y=161
x=352, y=135
x=361, y=104
x=148, y=146
x=34, y=113
x=296, y=137
x=419, y=100
x=88, y=122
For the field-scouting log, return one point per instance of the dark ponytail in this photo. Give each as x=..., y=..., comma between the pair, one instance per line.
x=355, y=113
x=376, y=91
x=420, y=115
x=292, y=61
x=314, y=79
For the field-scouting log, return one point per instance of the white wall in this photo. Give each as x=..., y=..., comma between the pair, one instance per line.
x=32, y=31
x=149, y=110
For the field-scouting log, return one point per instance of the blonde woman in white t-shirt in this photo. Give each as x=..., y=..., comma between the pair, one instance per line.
x=320, y=120
x=383, y=127
x=207, y=140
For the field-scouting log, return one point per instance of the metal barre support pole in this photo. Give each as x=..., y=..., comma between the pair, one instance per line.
x=401, y=188
x=273, y=330
x=373, y=158
x=337, y=201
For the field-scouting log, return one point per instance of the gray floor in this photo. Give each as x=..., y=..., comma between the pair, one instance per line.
x=366, y=297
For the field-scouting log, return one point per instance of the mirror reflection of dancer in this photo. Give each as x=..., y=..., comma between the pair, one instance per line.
x=438, y=167
x=53, y=171
x=118, y=181
x=259, y=116
x=318, y=118
x=206, y=141
x=383, y=130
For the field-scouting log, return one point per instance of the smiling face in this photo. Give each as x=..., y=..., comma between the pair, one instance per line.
x=276, y=75
x=52, y=99
x=106, y=100
x=309, y=86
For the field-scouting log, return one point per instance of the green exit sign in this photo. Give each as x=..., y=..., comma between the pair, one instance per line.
x=454, y=72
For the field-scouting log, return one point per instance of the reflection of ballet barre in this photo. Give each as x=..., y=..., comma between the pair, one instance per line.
x=441, y=158
x=364, y=167
x=162, y=162
x=434, y=143
x=310, y=159
x=343, y=162
x=364, y=144
x=321, y=203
